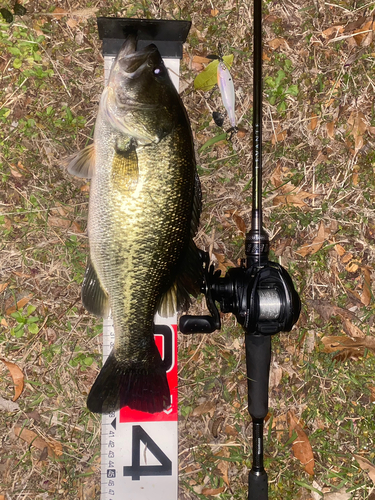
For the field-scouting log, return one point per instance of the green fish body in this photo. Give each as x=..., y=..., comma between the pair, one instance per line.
x=143, y=213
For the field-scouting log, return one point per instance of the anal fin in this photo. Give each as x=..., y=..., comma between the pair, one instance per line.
x=94, y=297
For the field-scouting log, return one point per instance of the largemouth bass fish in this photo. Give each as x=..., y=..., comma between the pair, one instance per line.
x=143, y=213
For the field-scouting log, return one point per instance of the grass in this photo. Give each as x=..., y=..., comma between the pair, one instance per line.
x=318, y=142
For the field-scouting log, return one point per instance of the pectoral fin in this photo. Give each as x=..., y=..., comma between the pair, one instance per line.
x=82, y=164
x=94, y=297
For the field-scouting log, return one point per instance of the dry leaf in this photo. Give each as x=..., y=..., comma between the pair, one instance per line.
x=43, y=455
x=277, y=176
x=293, y=199
x=213, y=491
x=84, y=13
x=201, y=60
x=340, y=494
x=357, y=127
x=198, y=67
x=214, y=12
x=8, y=223
x=367, y=466
x=276, y=374
x=346, y=258
x=241, y=132
x=326, y=310
x=15, y=173
x=301, y=446
x=355, y=175
x=232, y=431
x=207, y=407
x=17, y=376
x=216, y=426
x=366, y=294
x=354, y=25
x=330, y=127
x=265, y=56
x=3, y=286
x=58, y=13
x=340, y=250
x=76, y=228
x=223, y=263
x=352, y=330
x=20, y=304
x=271, y=18
x=223, y=465
x=279, y=135
x=310, y=339
x=58, y=222
x=32, y=438
x=340, y=343
x=347, y=347
x=313, y=123
x=332, y=32
x=72, y=23
x=369, y=37
x=278, y=42
x=352, y=267
x=7, y=405
x=317, y=243
x=363, y=32
x=240, y=223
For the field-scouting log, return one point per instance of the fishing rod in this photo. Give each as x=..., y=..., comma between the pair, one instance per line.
x=260, y=293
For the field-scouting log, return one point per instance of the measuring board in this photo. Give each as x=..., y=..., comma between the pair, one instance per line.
x=139, y=451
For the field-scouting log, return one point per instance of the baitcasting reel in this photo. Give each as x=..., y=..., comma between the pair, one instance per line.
x=259, y=293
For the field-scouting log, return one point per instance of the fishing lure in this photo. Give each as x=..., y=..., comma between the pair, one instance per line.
x=226, y=87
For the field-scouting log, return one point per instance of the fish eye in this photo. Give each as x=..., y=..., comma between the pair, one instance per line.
x=159, y=71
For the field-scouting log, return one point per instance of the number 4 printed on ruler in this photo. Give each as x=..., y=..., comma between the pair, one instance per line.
x=136, y=470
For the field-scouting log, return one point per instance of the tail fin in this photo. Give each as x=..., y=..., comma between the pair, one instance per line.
x=120, y=384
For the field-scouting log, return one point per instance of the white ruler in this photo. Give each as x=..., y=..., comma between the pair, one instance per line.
x=139, y=451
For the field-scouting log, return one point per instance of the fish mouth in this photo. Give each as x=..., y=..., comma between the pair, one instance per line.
x=132, y=62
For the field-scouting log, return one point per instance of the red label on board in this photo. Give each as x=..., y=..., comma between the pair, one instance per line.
x=166, y=342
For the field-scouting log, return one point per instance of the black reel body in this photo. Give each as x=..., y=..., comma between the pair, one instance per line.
x=263, y=299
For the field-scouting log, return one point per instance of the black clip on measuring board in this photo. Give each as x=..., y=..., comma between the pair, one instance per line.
x=260, y=293
x=167, y=35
